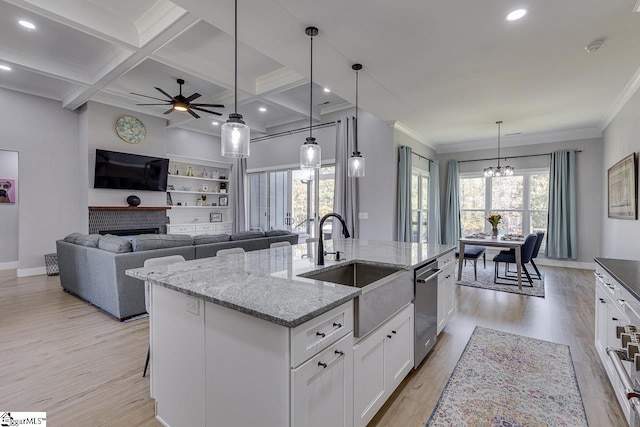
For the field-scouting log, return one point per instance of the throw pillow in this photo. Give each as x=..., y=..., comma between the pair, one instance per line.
x=147, y=242
x=244, y=235
x=71, y=238
x=90, y=240
x=203, y=239
x=272, y=233
x=115, y=244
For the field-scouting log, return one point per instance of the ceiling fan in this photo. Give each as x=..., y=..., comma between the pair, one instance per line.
x=181, y=103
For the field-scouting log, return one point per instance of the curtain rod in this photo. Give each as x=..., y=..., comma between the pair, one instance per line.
x=512, y=157
x=421, y=156
x=293, y=131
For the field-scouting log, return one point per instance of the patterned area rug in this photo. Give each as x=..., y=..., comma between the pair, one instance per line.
x=485, y=280
x=504, y=379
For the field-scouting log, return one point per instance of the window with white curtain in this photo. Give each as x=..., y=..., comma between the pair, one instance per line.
x=419, y=205
x=521, y=199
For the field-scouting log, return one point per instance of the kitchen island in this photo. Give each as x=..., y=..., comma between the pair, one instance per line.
x=245, y=340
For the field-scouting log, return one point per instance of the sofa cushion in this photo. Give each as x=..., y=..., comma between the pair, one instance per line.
x=202, y=239
x=272, y=233
x=71, y=238
x=147, y=242
x=244, y=235
x=115, y=244
x=90, y=240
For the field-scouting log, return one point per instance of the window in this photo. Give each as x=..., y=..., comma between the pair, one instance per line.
x=520, y=199
x=419, y=205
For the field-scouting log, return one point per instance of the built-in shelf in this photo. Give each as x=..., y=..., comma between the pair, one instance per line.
x=130, y=208
x=198, y=177
x=199, y=207
x=197, y=192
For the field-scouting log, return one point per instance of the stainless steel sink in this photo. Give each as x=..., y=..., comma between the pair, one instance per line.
x=356, y=273
x=385, y=290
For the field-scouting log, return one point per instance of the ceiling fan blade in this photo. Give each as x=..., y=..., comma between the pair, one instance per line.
x=206, y=111
x=164, y=93
x=193, y=114
x=155, y=104
x=209, y=105
x=168, y=111
x=146, y=96
x=192, y=97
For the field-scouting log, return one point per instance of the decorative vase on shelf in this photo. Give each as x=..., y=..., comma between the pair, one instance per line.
x=494, y=232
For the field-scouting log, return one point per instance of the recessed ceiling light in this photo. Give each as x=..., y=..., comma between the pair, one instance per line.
x=28, y=25
x=326, y=89
x=215, y=123
x=262, y=109
x=5, y=68
x=516, y=14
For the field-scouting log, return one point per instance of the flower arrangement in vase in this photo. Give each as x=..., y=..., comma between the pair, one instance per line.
x=494, y=220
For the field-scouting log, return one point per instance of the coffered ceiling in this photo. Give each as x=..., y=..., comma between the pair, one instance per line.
x=443, y=71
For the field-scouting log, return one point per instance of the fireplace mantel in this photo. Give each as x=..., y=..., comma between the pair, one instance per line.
x=129, y=208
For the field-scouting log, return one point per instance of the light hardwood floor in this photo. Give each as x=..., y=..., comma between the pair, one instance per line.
x=61, y=355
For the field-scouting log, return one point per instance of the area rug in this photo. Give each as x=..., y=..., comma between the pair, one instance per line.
x=504, y=379
x=485, y=280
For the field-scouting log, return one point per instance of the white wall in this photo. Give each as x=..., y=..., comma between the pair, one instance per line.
x=9, y=212
x=589, y=187
x=622, y=137
x=50, y=201
x=375, y=141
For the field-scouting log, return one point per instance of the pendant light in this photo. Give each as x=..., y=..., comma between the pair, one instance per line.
x=310, y=150
x=497, y=171
x=356, y=161
x=235, y=133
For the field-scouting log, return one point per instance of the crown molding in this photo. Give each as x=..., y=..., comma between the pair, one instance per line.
x=335, y=108
x=401, y=127
x=520, y=140
x=629, y=90
x=278, y=81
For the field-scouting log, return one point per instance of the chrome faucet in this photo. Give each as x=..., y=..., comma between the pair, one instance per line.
x=345, y=232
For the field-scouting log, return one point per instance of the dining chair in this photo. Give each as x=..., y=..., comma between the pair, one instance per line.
x=154, y=262
x=279, y=245
x=526, y=251
x=472, y=252
x=230, y=251
x=536, y=250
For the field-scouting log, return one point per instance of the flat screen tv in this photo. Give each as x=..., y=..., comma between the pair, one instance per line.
x=130, y=171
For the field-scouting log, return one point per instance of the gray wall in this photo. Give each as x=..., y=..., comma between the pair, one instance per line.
x=622, y=137
x=376, y=188
x=50, y=203
x=9, y=212
x=589, y=187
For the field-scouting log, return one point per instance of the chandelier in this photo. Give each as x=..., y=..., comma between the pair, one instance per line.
x=498, y=170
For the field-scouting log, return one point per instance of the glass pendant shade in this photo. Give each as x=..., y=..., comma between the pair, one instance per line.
x=310, y=154
x=235, y=137
x=488, y=172
x=356, y=165
x=498, y=171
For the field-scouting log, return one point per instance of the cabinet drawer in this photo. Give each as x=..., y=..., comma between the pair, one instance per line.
x=224, y=228
x=447, y=260
x=181, y=229
x=202, y=228
x=315, y=335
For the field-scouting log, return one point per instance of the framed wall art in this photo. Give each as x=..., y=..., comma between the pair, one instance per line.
x=223, y=201
x=215, y=217
x=7, y=190
x=622, y=188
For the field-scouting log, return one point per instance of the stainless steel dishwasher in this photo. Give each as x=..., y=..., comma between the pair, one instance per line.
x=426, y=310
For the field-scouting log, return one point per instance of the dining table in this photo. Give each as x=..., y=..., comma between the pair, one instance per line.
x=498, y=242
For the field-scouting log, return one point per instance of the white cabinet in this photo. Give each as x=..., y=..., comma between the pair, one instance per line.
x=446, y=290
x=321, y=388
x=197, y=229
x=194, y=186
x=381, y=361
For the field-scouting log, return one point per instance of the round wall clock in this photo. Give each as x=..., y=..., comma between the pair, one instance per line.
x=130, y=129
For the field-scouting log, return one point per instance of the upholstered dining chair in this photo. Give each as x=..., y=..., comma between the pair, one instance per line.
x=279, y=245
x=154, y=262
x=536, y=250
x=526, y=251
x=230, y=251
x=472, y=252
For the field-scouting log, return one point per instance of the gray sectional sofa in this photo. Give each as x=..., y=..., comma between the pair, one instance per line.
x=92, y=266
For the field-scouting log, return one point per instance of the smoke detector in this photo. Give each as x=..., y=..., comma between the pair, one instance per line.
x=594, y=46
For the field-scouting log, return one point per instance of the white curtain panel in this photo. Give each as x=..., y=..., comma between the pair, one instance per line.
x=345, y=196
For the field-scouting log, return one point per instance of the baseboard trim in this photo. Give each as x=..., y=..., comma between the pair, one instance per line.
x=35, y=271
x=8, y=265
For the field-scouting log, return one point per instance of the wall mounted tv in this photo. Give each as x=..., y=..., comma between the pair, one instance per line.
x=130, y=171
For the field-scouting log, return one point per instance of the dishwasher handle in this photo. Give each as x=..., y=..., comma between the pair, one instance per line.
x=422, y=279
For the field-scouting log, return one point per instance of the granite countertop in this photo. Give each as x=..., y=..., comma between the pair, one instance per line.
x=265, y=283
x=625, y=271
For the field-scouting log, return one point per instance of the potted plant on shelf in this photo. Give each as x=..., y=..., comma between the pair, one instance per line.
x=494, y=220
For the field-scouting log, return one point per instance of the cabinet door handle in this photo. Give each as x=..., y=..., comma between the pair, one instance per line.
x=615, y=319
x=389, y=336
x=393, y=332
x=339, y=353
x=337, y=325
x=602, y=301
x=324, y=365
x=320, y=334
x=448, y=276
